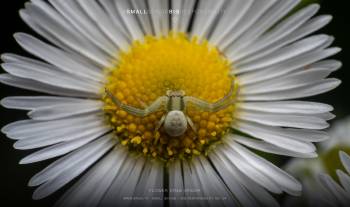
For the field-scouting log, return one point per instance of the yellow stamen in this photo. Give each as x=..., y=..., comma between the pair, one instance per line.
x=136, y=140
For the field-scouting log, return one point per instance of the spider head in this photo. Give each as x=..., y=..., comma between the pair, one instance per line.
x=179, y=93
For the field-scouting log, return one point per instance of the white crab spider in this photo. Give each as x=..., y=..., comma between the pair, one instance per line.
x=175, y=120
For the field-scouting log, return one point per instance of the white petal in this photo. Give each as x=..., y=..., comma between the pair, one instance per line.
x=234, y=12
x=69, y=173
x=42, y=32
x=255, y=12
x=51, y=76
x=151, y=178
x=26, y=127
x=111, y=10
x=269, y=19
x=71, y=11
x=91, y=188
x=287, y=67
x=17, y=59
x=73, y=161
x=282, y=31
x=303, y=91
x=322, y=197
x=230, y=172
x=232, y=181
x=176, y=181
x=269, y=148
x=130, y=21
x=52, y=22
x=345, y=159
x=104, y=23
x=125, y=183
x=249, y=170
x=344, y=180
x=331, y=65
x=159, y=16
x=57, y=57
x=305, y=135
x=33, y=102
x=191, y=181
x=287, y=107
x=204, y=20
x=335, y=190
x=306, y=29
x=145, y=19
x=32, y=128
x=91, y=129
x=275, y=136
x=65, y=110
x=41, y=87
x=211, y=183
x=284, y=120
x=59, y=149
x=298, y=48
x=187, y=6
x=289, y=81
x=326, y=116
x=286, y=181
x=175, y=18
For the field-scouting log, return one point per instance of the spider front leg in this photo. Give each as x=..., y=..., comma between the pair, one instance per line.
x=227, y=96
x=213, y=107
x=136, y=111
x=160, y=123
x=210, y=107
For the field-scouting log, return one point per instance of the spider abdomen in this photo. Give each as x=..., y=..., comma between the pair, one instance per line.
x=175, y=123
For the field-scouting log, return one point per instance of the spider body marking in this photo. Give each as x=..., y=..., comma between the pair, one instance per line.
x=175, y=120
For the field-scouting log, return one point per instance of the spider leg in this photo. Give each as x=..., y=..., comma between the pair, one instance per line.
x=190, y=122
x=228, y=95
x=212, y=107
x=142, y=103
x=136, y=111
x=160, y=123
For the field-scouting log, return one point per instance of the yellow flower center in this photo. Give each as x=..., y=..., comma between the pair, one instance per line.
x=151, y=68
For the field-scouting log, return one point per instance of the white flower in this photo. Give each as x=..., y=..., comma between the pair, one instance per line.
x=340, y=195
x=252, y=47
x=340, y=135
x=308, y=171
x=321, y=189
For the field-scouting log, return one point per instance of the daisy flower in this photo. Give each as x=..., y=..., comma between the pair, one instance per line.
x=308, y=171
x=323, y=190
x=339, y=132
x=338, y=195
x=157, y=102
